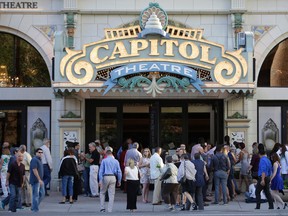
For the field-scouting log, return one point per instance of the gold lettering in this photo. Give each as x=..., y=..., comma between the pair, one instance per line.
x=169, y=46
x=135, y=48
x=94, y=54
x=154, y=47
x=120, y=50
x=205, y=55
x=183, y=50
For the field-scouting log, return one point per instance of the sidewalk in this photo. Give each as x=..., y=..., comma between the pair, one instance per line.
x=91, y=206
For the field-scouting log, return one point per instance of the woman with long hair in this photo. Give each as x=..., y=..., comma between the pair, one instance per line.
x=284, y=161
x=132, y=179
x=244, y=171
x=277, y=181
x=144, y=166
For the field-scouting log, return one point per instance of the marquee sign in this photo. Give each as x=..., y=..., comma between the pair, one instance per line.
x=154, y=57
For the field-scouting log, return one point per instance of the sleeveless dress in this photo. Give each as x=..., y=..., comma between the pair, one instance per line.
x=244, y=164
x=277, y=181
x=145, y=172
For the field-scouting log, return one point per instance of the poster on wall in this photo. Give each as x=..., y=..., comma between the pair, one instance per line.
x=38, y=127
x=269, y=126
x=237, y=136
x=71, y=136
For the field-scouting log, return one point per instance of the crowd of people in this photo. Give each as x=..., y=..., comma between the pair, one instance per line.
x=24, y=179
x=180, y=180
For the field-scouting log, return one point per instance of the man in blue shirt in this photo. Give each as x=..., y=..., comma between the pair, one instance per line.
x=264, y=173
x=109, y=170
x=36, y=179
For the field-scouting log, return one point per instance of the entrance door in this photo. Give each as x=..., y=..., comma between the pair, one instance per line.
x=136, y=123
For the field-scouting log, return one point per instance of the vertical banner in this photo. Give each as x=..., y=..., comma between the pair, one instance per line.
x=38, y=126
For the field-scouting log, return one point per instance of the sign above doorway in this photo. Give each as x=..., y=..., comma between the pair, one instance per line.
x=154, y=56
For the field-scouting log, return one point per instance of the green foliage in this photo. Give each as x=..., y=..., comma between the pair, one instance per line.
x=286, y=184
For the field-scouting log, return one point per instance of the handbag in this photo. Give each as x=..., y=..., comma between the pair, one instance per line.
x=166, y=175
x=183, y=179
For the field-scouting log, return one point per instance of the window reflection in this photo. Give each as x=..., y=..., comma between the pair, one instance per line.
x=21, y=65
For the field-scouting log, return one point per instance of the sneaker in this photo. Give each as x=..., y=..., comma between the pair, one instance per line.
x=215, y=203
x=102, y=210
x=2, y=205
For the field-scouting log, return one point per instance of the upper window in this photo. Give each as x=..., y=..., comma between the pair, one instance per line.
x=274, y=72
x=21, y=65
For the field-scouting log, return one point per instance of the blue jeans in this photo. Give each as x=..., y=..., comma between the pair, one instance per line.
x=67, y=181
x=220, y=176
x=86, y=174
x=38, y=193
x=46, y=176
x=15, y=194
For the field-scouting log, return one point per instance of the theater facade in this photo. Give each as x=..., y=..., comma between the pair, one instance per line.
x=162, y=73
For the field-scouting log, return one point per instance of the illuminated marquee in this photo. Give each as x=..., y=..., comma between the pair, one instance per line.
x=178, y=49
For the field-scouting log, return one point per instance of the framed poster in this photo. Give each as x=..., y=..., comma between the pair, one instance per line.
x=68, y=134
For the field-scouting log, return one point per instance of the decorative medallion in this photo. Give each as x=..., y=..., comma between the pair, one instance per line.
x=155, y=9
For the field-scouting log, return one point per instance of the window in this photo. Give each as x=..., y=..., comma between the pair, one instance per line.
x=273, y=72
x=21, y=65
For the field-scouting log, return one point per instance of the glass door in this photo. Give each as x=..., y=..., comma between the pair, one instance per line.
x=171, y=126
x=106, y=126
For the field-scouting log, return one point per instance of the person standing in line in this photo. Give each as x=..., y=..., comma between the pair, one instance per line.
x=15, y=179
x=133, y=154
x=170, y=185
x=283, y=152
x=26, y=190
x=188, y=170
x=244, y=160
x=132, y=179
x=264, y=173
x=156, y=165
x=221, y=167
x=36, y=180
x=47, y=163
x=86, y=173
x=144, y=167
x=109, y=173
x=5, y=157
x=201, y=178
x=68, y=170
x=94, y=168
x=276, y=181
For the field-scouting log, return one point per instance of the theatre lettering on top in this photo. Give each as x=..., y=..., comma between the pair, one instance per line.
x=155, y=56
x=18, y=5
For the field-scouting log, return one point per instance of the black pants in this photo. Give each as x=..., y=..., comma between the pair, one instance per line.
x=132, y=188
x=266, y=189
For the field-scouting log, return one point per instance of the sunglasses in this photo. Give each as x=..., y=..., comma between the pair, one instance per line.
x=40, y=152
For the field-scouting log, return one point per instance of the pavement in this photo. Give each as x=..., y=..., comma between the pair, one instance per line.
x=91, y=206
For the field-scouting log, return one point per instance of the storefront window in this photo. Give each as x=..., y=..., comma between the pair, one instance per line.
x=21, y=65
x=10, y=126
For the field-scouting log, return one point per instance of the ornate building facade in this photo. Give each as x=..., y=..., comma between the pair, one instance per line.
x=164, y=73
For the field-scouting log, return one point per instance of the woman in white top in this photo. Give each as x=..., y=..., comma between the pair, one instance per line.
x=132, y=179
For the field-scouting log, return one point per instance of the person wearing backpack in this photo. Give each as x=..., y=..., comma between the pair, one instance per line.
x=220, y=164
